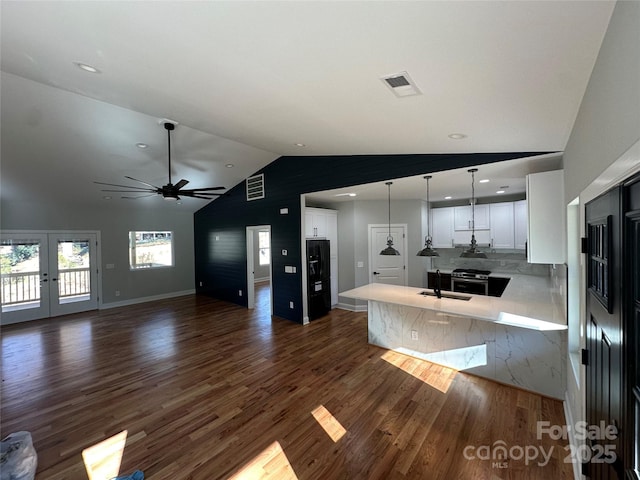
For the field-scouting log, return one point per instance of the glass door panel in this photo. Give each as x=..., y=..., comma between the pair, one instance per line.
x=24, y=277
x=73, y=273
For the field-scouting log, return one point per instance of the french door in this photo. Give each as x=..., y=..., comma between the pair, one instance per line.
x=47, y=274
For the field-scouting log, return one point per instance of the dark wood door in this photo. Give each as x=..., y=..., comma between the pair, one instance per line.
x=632, y=327
x=604, y=334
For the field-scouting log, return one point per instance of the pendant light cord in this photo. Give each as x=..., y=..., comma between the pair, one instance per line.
x=428, y=209
x=389, y=196
x=473, y=203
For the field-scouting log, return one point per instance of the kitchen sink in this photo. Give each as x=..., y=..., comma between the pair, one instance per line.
x=452, y=296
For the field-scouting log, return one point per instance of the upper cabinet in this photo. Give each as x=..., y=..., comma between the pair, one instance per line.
x=547, y=217
x=498, y=225
x=442, y=227
x=464, y=216
x=520, y=224
x=316, y=222
x=502, y=225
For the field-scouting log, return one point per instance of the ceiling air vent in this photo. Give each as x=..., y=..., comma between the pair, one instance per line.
x=401, y=84
x=255, y=187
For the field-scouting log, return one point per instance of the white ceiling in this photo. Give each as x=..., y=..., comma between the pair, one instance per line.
x=248, y=80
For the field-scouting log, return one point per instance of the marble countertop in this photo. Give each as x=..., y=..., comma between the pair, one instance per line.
x=529, y=301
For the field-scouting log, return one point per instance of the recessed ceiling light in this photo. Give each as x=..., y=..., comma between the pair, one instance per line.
x=301, y=145
x=500, y=191
x=345, y=194
x=107, y=197
x=457, y=136
x=141, y=145
x=229, y=165
x=86, y=67
x=448, y=197
x=484, y=180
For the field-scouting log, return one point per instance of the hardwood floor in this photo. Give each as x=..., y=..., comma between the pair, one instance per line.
x=209, y=390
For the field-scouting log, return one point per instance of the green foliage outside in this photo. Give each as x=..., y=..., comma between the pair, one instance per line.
x=15, y=254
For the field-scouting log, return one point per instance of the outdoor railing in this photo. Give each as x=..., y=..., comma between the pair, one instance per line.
x=24, y=287
x=20, y=287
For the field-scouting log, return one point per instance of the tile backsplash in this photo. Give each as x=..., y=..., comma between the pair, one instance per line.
x=506, y=262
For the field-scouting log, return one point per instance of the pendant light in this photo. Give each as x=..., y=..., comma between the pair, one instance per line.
x=389, y=250
x=428, y=250
x=472, y=251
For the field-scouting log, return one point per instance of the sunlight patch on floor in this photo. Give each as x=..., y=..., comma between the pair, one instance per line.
x=102, y=460
x=270, y=464
x=329, y=423
x=436, y=376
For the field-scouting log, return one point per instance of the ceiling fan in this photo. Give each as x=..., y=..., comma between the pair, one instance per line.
x=168, y=191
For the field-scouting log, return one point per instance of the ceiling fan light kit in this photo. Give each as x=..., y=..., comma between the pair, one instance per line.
x=169, y=191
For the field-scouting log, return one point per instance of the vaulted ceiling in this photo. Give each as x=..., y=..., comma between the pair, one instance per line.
x=247, y=81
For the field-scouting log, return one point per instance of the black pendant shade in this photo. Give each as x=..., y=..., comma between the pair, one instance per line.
x=389, y=250
x=428, y=250
x=472, y=251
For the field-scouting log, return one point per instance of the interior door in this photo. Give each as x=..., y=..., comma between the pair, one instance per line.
x=73, y=273
x=389, y=269
x=604, y=331
x=24, y=277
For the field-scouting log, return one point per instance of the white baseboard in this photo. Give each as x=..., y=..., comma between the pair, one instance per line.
x=568, y=417
x=152, y=298
x=351, y=308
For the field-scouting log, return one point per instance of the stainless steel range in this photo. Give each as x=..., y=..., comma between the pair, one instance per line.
x=469, y=280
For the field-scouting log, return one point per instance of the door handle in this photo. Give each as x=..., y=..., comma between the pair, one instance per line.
x=54, y=279
x=376, y=273
x=44, y=280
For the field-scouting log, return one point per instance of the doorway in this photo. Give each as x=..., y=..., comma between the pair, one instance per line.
x=388, y=269
x=47, y=274
x=259, y=253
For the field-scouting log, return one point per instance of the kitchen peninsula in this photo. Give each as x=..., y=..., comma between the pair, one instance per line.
x=519, y=339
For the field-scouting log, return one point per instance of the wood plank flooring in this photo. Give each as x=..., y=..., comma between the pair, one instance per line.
x=209, y=390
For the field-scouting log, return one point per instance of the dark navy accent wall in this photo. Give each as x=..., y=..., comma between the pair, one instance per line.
x=220, y=226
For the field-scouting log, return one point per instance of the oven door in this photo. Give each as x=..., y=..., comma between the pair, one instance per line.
x=470, y=285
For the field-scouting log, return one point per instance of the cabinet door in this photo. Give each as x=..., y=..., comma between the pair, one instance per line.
x=547, y=222
x=520, y=224
x=315, y=223
x=502, y=228
x=442, y=227
x=463, y=217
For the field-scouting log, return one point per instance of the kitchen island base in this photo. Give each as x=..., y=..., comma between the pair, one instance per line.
x=531, y=359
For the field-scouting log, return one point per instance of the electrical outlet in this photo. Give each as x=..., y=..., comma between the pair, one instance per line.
x=117, y=293
x=414, y=335
x=240, y=293
x=290, y=304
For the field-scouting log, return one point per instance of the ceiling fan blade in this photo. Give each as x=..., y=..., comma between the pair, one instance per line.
x=144, y=183
x=132, y=191
x=181, y=184
x=123, y=186
x=206, y=189
x=139, y=196
x=197, y=192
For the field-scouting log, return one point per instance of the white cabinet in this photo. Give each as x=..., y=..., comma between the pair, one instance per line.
x=442, y=227
x=546, y=217
x=323, y=223
x=463, y=238
x=502, y=225
x=315, y=222
x=463, y=217
x=520, y=224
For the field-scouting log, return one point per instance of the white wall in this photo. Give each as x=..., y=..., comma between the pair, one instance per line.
x=606, y=133
x=114, y=221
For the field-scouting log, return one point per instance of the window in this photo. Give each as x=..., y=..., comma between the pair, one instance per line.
x=264, y=248
x=150, y=250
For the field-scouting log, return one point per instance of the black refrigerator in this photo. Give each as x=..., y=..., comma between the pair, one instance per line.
x=318, y=278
